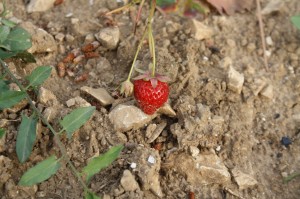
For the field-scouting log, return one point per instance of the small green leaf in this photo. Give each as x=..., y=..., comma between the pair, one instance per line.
x=101, y=162
x=6, y=54
x=39, y=75
x=296, y=21
x=90, y=195
x=26, y=137
x=4, y=32
x=163, y=3
x=291, y=177
x=76, y=119
x=18, y=40
x=41, y=172
x=26, y=57
x=10, y=98
x=3, y=86
x=8, y=23
x=2, y=133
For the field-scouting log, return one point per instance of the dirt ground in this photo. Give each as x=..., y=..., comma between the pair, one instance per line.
x=221, y=144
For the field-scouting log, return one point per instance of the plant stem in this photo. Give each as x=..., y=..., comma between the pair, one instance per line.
x=148, y=29
x=56, y=135
x=151, y=38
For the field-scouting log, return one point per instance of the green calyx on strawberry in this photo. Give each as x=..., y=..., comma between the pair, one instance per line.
x=150, y=92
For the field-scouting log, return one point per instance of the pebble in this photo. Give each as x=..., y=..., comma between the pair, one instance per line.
x=109, y=37
x=59, y=37
x=151, y=159
x=235, y=80
x=100, y=94
x=79, y=102
x=46, y=97
x=243, y=180
x=267, y=92
x=133, y=165
x=272, y=6
x=128, y=181
x=194, y=151
x=286, y=141
x=166, y=109
x=127, y=117
x=200, y=31
x=258, y=85
x=269, y=41
x=39, y=5
x=69, y=38
x=155, y=132
x=42, y=41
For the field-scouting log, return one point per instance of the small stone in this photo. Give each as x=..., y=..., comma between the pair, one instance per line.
x=269, y=41
x=74, y=20
x=218, y=148
x=243, y=180
x=166, y=109
x=194, y=151
x=133, y=165
x=267, y=92
x=89, y=38
x=109, y=37
x=151, y=159
x=47, y=97
x=105, y=196
x=200, y=31
x=19, y=106
x=80, y=102
x=272, y=6
x=100, y=94
x=70, y=102
x=50, y=113
x=126, y=117
x=69, y=38
x=286, y=141
x=42, y=41
x=258, y=85
x=156, y=132
x=128, y=181
x=59, y=37
x=39, y=5
x=235, y=80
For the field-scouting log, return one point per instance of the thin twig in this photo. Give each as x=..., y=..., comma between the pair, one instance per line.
x=262, y=34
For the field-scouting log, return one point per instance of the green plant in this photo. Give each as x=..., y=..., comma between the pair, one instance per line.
x=296, y=21
x=14, y=41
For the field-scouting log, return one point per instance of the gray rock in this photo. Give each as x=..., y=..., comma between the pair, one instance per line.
x=206, y=168
x=147, y=172
x=243, y=180
x=155, y=132
x=47, y=97
x=166, y=109
x=128, y=181
x=100, y=94
x=200, y=31
x=79, y=102
x=127, y=117
x=42, y=41
x=267, y=92
x=109, y=37
x=39, y=5
x=235, y=80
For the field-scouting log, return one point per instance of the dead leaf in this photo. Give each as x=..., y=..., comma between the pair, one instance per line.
x=231, y=6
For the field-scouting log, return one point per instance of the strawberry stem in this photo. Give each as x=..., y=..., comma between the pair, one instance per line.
x=148, y=30
x=151, y=38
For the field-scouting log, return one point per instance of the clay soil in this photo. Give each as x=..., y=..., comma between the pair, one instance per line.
x=244, y=130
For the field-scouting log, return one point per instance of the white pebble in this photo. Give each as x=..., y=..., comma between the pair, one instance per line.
x=151, y=159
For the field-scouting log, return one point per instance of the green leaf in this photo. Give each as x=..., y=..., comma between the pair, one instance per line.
x=18, y=40
x=76, y=119
x=41, y=172
x=2, y=133
x=296, y=21
x=3, y=86
x=6, y=54
x=26, y=57
x=8, y=23
x=4, y=32
x=10, y=98
x=39, y=75
x=101, y=162
x=291, y=177
x=26, y=137
x=90, y=195
x=165, y=2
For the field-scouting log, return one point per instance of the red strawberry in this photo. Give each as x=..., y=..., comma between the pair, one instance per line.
x=150, y=94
